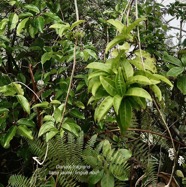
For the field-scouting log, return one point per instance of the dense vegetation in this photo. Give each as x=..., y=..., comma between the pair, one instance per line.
x=91, y=94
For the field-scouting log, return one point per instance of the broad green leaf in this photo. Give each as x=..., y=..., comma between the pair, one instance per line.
x=183, y=60
x=140, y=101
x=26, y=122
x=120, y=84
x=55, y=102
x=116, y=103
x=125, y=115
x=95, y=87
x=156, y=91
x=43, y=104
x=138, y=92
x=114, y=42
x=58, y=115
x=76, y=113
x=135, y=23
x=107, y=180
x=25, y=15
x=23, y=130
x=9, y=136
x=49, y=118
x=13, y=20
x=108, y=85
x=11, y=89
x=40, y=23
x=21, y=26
x=80, y=104
x=140, y=79
x=32, y=30
x=100, y=66
x=175, y=71
x=95, y=177
x=116, y=23
x=126, y=154
x=56, y=26
x=163, y=78
x=127, y=70
x=3, y=112
x=45, y=57
x=179, y=173
x=96, y=74
x=24, y=103
x=91, y=53
x=172, y=60
x=32, y=8
x=18, y=88
x=75, y=24
x=45, y=127
x=71, y=127
x=103, y=108
x=51, y=134
x=3, y=23
x=181, y=84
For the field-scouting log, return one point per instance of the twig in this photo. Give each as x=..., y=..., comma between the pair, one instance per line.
x=76, y=9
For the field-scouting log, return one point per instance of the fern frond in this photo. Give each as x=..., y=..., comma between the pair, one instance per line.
x=18, y=181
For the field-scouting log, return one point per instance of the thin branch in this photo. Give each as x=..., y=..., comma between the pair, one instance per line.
x=76, y=9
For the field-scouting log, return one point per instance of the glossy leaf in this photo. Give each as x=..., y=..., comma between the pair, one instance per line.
x=140, y=79
x=14, y=20
x=103, y=108
x=107, y=180
x=163, y=78
x=47, y=126
x=96, y=74
x=26, y=122
x=40, y=23
x=116, y=103
x=125, y=115
x=120, y=82
x=71, y=127
x=175, y=71
x=172, y=60
x=24, y=103
x=77, y=23
x=9, y=136
x=43, y=104
x=76, y=113
x=127, y=70
x=45, y=57
x=116, y=23
x=32, y=8
x=23, y=130
x=100, y=66
x=108, y=85
x=51, y=134
x=181, y=84
x=21, y=25
x=156, y=91
x=138, y=92
x=95, y=87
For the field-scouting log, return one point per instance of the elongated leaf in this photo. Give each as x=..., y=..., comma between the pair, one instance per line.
x=181, y=84
x=25, y=131
x=163, y=78
x=175, y=71
x=107, y=180
x=156, y=91
x=120, y=82
x=138, y=92
x=95, y=87
x=95, y=177
x=135, y=23
x=14, y=20
x=125, y=115
x=51, y=134
x=21, y=25
x=116, y=103
x=114, y=42
x=44, y=104
x=9, y=136
x=32, y=8
x=108, y=85
x=76, y=113
x=11, y=89
x=96, y=74
x=47, y=126
x=127, y=70
x=24, y=103
x=27, y=122
x=100, y=66
x=40, y=23
x=140, y=79
x=103, y=108
x=45, y=57
x=71, y=127
x=172, y=60
x=116, y=23
x=75, y=24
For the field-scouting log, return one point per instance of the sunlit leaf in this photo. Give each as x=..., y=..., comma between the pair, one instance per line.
x=24, y=103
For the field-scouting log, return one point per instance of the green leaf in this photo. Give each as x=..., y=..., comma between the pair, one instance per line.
x=75, y=24
x=9, y=136
x=114, y=42
x=26, y=122
x=135, y=23
x=76, y=113
x=138, y=92
x=116, y=103
x=21, y=26
x=126, y=154
x=107, y=180
x=80, y=104
x=24, y=103
x=96, y=74
x=45, y=57
x=163, y=78
x=125, y=115
x=140, y=79
x=11, y=89
x=40, y=23
x=100, y=66
x=156, y=91
x=127, y=70
x=71, y=127
x=13, y=20
x=181, y=84
x=172, y=60
x=103, y=108
x=91, y=53
x=108, y=85
x=43, y=104
x=24, y=131
x=175, y=71
x=32, y=8
x=47, y=126
x=116, y=23
x=95, y=177
x=58, y=115
x=120, y=82
x=95, y=87
x=51, y=134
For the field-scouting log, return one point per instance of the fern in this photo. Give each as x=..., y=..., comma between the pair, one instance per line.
x=18, y=181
